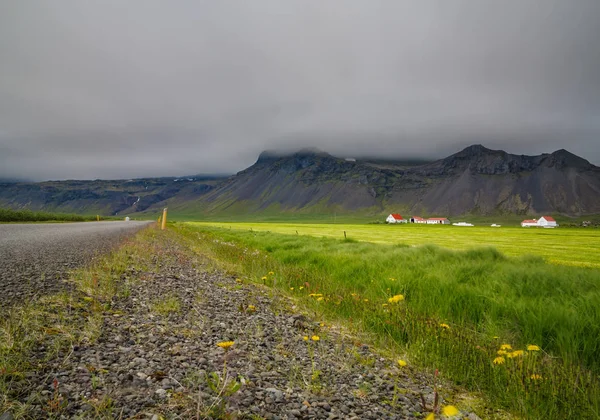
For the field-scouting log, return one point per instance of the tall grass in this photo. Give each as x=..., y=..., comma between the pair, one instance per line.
x=7, y=215
x=485, y=298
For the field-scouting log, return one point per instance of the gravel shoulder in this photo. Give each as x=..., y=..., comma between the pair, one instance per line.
x=36, y=258
x=156, y=356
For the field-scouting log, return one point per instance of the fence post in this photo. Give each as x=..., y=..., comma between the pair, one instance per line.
x=164, y=219
x=344, y=234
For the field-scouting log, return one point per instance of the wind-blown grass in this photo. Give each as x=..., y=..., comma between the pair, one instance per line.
x=565, y=246
x=480, y=294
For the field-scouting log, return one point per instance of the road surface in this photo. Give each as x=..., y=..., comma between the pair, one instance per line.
x=36, y=258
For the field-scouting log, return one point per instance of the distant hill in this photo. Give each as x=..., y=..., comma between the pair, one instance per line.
x=475, y=180
x=102, y=197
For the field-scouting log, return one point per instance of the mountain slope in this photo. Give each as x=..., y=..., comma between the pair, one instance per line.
x=474, y=180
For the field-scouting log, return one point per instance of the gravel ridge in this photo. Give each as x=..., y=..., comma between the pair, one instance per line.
x=152, y=364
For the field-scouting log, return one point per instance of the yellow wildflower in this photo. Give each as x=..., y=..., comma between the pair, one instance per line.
x=536, y=377
x=499, y=360
x=291, y=288
x=515, y=353
x=315, y=294
x=263, y=278
x=445, y=326
x=505, y=347
x=320, y=298
x=396, y=299
x=315, y=338
x=225, y=344
x=301, y=287
x=533, y=347
x=251, y=308
x=430, y=416
x=450, y=411
x=365, y=300
x=305, y=338
x=322, y=324
x=401, y=363
x=238, y=280
x=271, y=273
x=501, y=352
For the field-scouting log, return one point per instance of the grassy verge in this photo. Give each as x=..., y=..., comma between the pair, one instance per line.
x=522, y=331
x=36, y=332
x=7, y=215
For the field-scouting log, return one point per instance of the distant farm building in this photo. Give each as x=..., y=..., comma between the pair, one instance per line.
x=395, y=218
x=438, y=221
x=547, y=221
x=544, y=221
x=417, y=219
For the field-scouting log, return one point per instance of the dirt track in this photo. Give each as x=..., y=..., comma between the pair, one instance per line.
x=34, y=258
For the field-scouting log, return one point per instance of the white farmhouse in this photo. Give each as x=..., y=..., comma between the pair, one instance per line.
x=438, y=221
x=547, y=221
x=395, y=218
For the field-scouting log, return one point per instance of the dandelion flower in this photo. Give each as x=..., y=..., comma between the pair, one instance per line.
x=445, y=326
x=505, y=347
x=501, y=352
x=365, y=300
x=225, y=344
x=238, y=280
x=263, y=278
x=305, y=338
x=401, y=363
x=430, y=416
x=396, y=298
x=536, y=377
x=450, y=411
x=533, y=347
x=499, y=360
x=271, y=273
x=315, y=338
x=301, y=287
x=515, y=353
x=251, y=308
x=291, y=288
x=320, y=298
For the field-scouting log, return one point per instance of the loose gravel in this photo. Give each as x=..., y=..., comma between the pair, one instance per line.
x=36, y=258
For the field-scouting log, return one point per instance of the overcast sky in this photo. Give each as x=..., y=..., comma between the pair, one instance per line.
x=120, y=89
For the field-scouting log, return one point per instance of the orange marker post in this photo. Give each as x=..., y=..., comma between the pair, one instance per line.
x=164, y=219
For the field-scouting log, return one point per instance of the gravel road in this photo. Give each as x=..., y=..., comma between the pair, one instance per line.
x=34, y=258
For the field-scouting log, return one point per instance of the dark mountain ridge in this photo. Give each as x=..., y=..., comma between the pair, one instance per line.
x=476, y=180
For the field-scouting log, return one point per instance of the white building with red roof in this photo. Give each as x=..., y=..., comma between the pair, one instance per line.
x=395, y=218
x=547, y=221
x=417, y=219
x=438, y=221
x=544, y=221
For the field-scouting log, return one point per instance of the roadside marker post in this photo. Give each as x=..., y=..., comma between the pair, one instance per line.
x=164, y=219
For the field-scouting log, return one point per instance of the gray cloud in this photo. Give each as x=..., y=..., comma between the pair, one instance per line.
x=117, y=89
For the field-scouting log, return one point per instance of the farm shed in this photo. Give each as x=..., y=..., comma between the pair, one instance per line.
x=438, y=221
x=547, y=221
x=395, y=218
x=417, y=219
x=529, y=223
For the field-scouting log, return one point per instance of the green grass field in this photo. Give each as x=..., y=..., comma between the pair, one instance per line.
x=565, y=246
x=484, y=296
